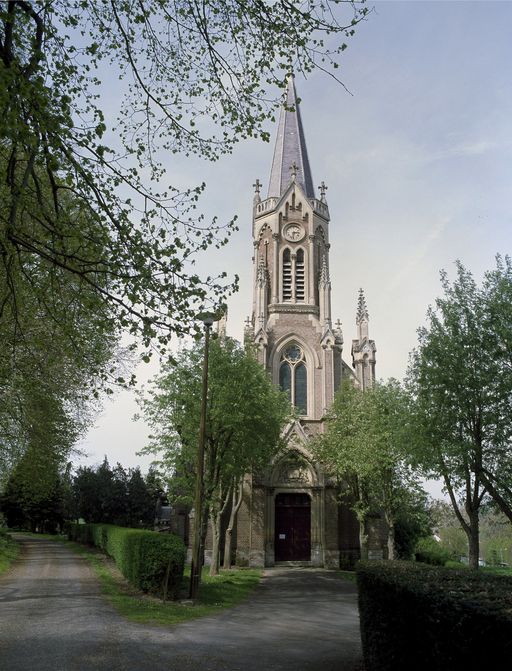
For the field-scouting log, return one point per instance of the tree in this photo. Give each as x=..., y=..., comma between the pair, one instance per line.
x=113, y=495
x=245, y=416
x=33, y=492
x=461, y=382
x=195, y=78
x=32, y=496
x=155, y=484
x=93, y=240
x=102, y=493
x=413, y=522
x=497, y=300
x=57, y=341
x=363, y=446
x=447, y=527
x=140, y=502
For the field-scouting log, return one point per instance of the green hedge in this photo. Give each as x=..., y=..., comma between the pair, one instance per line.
x=145, y=558
x=422, y=617
x=9, y=550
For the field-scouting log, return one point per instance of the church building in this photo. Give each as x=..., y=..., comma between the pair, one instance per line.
x=292, y=512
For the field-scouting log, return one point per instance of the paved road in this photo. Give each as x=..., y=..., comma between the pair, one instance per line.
x=52, y=618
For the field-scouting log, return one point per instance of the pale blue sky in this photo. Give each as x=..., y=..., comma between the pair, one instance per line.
x=418, y=162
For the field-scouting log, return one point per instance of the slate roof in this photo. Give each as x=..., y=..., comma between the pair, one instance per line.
x=290, y=148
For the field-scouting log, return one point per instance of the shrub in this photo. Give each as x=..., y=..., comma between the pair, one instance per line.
x=147, y=559
x=421, y=617
x=429, y=551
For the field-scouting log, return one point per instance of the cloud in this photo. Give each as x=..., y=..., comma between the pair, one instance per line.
x=475, y=148
x=411, y=265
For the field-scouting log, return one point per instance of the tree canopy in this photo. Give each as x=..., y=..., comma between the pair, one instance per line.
x=94, y=240
x=363, y=446
x=245, y=416
x=113, y=495
x=85, y=191
x=461, y=381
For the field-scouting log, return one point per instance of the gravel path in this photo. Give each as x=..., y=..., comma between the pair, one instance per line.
x=52, y=618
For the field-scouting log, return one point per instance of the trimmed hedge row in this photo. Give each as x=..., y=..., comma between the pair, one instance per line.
x=147, y=559
x=427, y=618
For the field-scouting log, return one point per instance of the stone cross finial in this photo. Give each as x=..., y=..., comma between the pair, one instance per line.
x=257, y=186
x=323, y=189
x=294, y=168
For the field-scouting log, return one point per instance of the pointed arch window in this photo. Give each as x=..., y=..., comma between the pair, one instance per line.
x=293, y=377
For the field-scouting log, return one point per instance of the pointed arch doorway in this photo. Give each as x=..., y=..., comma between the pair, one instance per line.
x=292, y=527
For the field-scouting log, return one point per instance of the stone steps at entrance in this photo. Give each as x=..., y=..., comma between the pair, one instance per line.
x=294, y=564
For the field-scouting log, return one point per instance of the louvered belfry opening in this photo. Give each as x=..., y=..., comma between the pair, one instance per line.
x=294, y=276
x=299, y=276
x=287, y=275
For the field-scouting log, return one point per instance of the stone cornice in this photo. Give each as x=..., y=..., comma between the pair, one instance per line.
x=301, y=308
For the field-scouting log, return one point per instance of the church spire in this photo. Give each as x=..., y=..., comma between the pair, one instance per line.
x=290, y=151
x=362, y=310
x=362, y=317
x=324, y=273
x=363, y=349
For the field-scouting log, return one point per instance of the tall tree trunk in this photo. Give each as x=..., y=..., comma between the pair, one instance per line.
x=215, y=522
x=473, y=534
x=216, y=515
x=363, y=538
x=236, y=501
x=472, y=505
x=391, y=539
x=202, y=537
x=361, y=511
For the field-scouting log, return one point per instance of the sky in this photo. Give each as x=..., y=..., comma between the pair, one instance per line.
x=418, y=163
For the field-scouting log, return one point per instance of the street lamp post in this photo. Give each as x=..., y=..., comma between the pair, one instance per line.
x=195, y=567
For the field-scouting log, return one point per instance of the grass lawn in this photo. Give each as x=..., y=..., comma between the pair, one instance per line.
x=348, y=575
x=497, y=570
x=224, y=591
x=9, y=550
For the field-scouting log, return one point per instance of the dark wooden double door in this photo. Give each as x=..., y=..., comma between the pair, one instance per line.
x=293, y=527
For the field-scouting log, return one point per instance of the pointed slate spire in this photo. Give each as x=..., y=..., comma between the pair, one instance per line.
x=290, y=150
x=362, y=310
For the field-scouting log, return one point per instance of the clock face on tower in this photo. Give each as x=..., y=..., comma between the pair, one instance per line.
x=294, y=232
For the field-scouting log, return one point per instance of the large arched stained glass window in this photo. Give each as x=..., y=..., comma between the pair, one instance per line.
x=293, y=377
x=285, y=378
x=301, y=388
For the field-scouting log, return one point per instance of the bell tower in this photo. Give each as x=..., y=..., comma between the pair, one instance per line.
x=291, y=512
x=291, y=321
